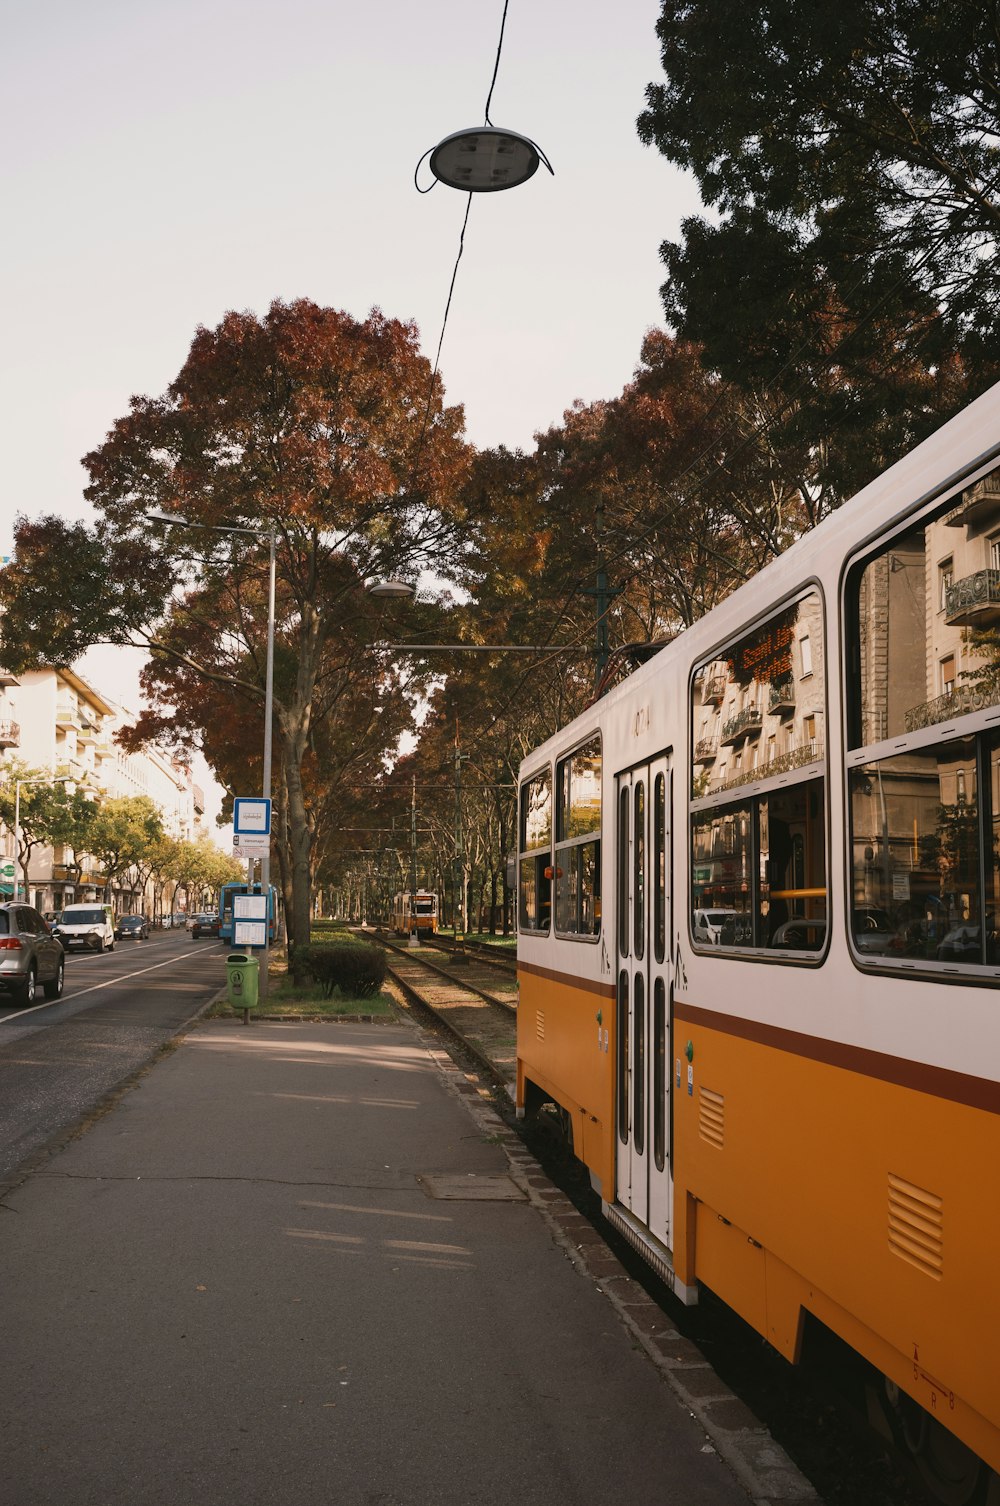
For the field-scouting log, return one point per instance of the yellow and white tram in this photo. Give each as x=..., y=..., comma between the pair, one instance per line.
x=758, y=950
x=415, y=913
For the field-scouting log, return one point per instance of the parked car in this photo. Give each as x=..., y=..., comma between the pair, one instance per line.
x=708, y=925
x=86, y=928
x=29, y=955
x=205, y=924
x=132, y=928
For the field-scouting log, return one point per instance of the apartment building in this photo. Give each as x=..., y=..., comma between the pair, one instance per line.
x=52, y=720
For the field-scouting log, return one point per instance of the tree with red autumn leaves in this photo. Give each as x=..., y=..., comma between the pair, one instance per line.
x=321, y=428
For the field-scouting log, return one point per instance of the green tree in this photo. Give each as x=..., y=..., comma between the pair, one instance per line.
x=49, y=814
x=851, y=158
x=121, y=834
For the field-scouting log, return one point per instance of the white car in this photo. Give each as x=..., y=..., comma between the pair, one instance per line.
x=707, y=925
x=86, y=928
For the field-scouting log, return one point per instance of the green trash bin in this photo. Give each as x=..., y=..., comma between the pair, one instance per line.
x=242, y=980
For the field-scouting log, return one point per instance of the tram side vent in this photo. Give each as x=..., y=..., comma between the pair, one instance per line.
x=540, y=1024
x=712, y=1117
x=916, y=1226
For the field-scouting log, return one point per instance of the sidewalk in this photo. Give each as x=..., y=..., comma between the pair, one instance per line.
x=301, y=1263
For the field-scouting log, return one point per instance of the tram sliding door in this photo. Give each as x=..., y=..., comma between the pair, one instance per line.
x=644, y=944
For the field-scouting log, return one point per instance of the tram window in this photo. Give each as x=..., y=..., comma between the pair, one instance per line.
x=757, y=709
x=623, y=846
x=659, y=1074
x=639, y=1065
x=924, y=613
x=639, y=869
x=758, y=861
x=578, y=842
x=578, y=889
x=623, y=1061
x=759, y=872
x=660, y=867
x=578, y=789
x=919, y=834
x=534, y=882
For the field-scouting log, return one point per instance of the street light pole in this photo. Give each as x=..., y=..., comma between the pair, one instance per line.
x=265, y=862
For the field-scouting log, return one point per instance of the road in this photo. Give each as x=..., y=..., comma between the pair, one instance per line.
x=59, y=1060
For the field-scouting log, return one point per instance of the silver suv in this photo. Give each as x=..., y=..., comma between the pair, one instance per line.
x=29, y=955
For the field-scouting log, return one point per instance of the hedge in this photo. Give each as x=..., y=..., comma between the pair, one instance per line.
x=357, y=968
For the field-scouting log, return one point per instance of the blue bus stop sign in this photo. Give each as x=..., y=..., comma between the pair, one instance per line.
x=251, y=816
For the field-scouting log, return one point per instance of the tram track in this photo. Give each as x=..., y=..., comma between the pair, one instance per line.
x=474, y=1001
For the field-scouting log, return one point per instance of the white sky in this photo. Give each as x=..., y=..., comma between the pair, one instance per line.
x=166, y=162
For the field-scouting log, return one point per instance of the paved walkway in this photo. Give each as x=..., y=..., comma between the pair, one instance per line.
x=303, y=1264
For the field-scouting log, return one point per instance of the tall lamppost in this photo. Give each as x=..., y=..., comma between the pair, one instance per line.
x=176, y=520
x=36, y=779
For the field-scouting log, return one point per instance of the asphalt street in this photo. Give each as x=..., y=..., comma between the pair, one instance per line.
x=59, y=1060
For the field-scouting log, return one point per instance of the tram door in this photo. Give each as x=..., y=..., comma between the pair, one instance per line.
x=644, y=945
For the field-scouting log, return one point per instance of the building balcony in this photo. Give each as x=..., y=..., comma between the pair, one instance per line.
x=198, y=799
x=781, y=697
x=10, y=734
x=714, y=690
x=973, y=601
x=705, y=750
x=67, y=714
x=975, y=696
x=746, y=723
x=979, y=505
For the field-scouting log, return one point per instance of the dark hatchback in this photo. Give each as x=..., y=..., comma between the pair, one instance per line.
x=204, y=925
x=132, y=928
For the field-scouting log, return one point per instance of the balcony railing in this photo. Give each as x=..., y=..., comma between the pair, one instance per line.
x=714, y=689
x=746, y=723
x=781, y=697
x=67, y=714
x=958, y=702
x=980, y=503
x=810, y=751
x=10, y=734
x=975, y=600
x=705, y=750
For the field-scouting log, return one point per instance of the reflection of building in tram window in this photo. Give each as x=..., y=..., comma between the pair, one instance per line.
x=927, y=629
x=760, y=861
x=534, y=882
x=578, y=841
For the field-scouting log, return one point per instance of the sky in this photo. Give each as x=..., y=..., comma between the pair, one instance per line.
x=167, y=162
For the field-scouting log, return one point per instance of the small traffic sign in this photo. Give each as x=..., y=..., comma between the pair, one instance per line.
x=251, y=845
x=251, y=816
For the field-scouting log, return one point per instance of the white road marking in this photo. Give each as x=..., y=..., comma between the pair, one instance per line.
x=124, y=978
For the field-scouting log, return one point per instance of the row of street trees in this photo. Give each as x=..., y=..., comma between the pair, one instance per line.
x=123, y=839
x=840, y=302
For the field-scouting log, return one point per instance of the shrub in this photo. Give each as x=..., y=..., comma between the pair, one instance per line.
x=355, y=967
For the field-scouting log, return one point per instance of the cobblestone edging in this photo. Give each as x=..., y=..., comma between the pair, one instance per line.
x=741, y=1440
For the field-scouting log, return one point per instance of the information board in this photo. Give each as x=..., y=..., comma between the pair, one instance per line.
x=249, y=907
x=250, y=932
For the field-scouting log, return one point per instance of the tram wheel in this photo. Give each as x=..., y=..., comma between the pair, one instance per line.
x=951, y=1472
